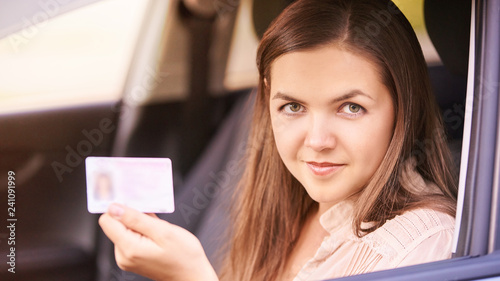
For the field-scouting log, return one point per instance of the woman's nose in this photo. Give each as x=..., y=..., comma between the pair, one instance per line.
x=320, y=135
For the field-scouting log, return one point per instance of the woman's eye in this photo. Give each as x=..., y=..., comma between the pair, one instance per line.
x=352, y=109
x=292, y=108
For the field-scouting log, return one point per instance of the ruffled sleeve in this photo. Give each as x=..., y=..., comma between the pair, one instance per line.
x=436, y=247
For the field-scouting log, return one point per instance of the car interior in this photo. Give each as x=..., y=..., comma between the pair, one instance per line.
x=186, y=94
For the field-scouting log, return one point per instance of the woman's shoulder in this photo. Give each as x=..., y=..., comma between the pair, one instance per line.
x=417, y=224
x=411, y=234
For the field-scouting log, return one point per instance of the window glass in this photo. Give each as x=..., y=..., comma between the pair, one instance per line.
x=79, y=57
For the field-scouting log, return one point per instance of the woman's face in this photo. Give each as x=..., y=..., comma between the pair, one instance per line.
x=332, y=120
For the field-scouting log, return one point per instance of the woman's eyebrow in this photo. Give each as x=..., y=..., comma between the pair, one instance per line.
x=351, y=94
x=283, y=96
x=348, y=95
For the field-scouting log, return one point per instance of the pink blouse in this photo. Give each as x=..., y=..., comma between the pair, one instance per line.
x=417, y=236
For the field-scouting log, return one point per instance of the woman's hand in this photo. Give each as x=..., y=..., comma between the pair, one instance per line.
x=154, y=248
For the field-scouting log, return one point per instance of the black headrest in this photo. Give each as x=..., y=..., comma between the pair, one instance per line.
x=448, y=25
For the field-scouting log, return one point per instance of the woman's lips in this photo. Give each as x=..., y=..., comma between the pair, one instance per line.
x=323, y=168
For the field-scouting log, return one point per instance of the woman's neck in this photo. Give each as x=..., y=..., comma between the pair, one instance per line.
x=309, y=240
x=321, y=208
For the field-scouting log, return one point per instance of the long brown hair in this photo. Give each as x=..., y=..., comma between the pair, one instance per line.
x=272, y=204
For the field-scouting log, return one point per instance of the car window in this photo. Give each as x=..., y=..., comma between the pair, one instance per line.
x=79, y=57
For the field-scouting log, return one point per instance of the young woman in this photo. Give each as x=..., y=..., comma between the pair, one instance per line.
x=348, y=170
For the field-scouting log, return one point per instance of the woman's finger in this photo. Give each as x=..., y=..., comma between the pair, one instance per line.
x=113, y=228
x=141, y=223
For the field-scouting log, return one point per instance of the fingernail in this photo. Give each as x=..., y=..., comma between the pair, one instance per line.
x=115, y=210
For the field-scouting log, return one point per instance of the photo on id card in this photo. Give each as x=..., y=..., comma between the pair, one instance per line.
x=144, y=184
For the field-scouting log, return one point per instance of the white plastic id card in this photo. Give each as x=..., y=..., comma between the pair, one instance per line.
x=144, y=184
